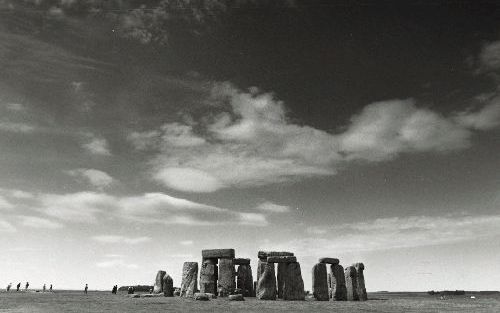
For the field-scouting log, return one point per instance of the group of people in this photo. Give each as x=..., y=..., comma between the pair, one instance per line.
x=114, y=290
x=18, y=287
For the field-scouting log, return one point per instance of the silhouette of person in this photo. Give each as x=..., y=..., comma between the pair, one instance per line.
x=18, y=286
x=9, y=286
x=50, y=289
x=27, y=285
x=86, y=288
x=44, y=287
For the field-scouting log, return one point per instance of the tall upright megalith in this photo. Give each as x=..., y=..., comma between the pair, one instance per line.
x=158, y=287
x=281, y=273
x=360, y=278
x=351, y=283
x=337, y=283
x=168, y=286
x=320, y=282
x=208, y=276
x=244, y=278
x=189, y=283
x=266, y=286
x=226, y=277
x=293, y=286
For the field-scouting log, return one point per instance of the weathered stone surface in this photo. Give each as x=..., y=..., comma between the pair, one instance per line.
x=244, y=280
x=281, y=259
x=217, y=254
x=351, y=283
x=236, y=297
x=201, y=296
x=328, y=260
x=293, y=287
x=319, y=282
x=226, y=277
x=265, y=254
x=360, y=278
x=241, y=261
x=189, y=279
x=337, y=283
x=158, y=282
x=281, y=272
x=266, y=286
x=260, y=268
x=168, y=286
x=208, y=276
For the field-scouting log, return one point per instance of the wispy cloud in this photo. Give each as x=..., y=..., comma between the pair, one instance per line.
x=186, y=242
x=38, y=222
x=97, y=145
x=489, y=58
x=118, y=261
x=16, y=127
x=6, y=227
x=96, y=178
x=121, y=239
x=5, y=204
x=272, y=207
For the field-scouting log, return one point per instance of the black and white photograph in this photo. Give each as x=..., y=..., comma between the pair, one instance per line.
x=249, y=156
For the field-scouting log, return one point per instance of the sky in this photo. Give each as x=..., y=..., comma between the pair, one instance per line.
x=134, y=134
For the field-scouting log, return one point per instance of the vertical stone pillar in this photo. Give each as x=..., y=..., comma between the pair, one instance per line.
x=189, y=283
x=208, y=276
x=244, y=280
x=293, y=287
x=360, y=278
x=320, y=282
x=159, y=282
x=351, y=283
x=337, y=283
x=266, y=286
x=168, y=286
x=281, y=269
x=225, y=281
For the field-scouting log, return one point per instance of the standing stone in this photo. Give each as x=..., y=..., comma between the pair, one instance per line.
x=244, y=280
x=266, y=286
x=337, y=283
x=320, y=282
x=360, y=278
x=208, y=276
x=159, y=282
x=254, y=288
x=281, y=268
x=293, y=287
x=351, y=283
x=189, y=279
x=329, y=284
x=168, y=286
x=225, y=281
x=260, y=267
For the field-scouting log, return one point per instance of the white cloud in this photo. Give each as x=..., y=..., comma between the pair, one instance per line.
x=489, y=57
x=273, y=207
x=38, y=222
x=394, y=233
x=97, y=145
x=4, y=204
x=96, y=178
x=486, y=118
x=255, y=219
x=16, y=127
x=16, y=107
x=188, y=179
x=6, y=227
x=121, y=239
x=186, y=242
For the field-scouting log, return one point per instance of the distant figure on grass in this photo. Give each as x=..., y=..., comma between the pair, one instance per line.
x=9, y=286
x=27, y=286
x=113, y=291
x=50, y=289
x=44, y=287
x=86, y=288
x=18, y=286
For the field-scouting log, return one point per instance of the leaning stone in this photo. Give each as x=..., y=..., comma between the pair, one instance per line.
x=168, y=286
x=225, y=281
x=351, y=283
x=281, y=259
x=265, y=254
x=244, y=280
x=328, y=260
x=337, y=283
x=281, y=269
x=201, y=296
x=319, y=282
x=158, y=282
x=237, y=297
x=293, y=287
x=360, y=278
x=241, y=261
x=208, y=276
x=266, y=286
x=217, y=254
x=189, y=279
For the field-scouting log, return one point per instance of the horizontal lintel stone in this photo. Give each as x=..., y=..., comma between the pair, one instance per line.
x=281, y=259
x=265, y=254
x=241, y=261
x=329, y=260
x=218, y=253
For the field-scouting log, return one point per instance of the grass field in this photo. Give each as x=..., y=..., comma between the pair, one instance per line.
x=71, y=301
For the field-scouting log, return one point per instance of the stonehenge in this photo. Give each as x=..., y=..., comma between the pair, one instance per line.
x=360, y=278
x=158, y=286
x=293, y=284
x=351, y=283
x=208, y=276
x=168, y=286
x=244, y=279
x=266, y=285
x=189, y=279
x=225, y=281
x=320, y=286
x=337, y=283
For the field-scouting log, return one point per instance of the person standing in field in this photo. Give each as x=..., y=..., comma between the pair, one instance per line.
x=86, y=288
x=50, y=289
x=9, y=286
x=44, y=288
x=18, y=286
x=27, y=286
